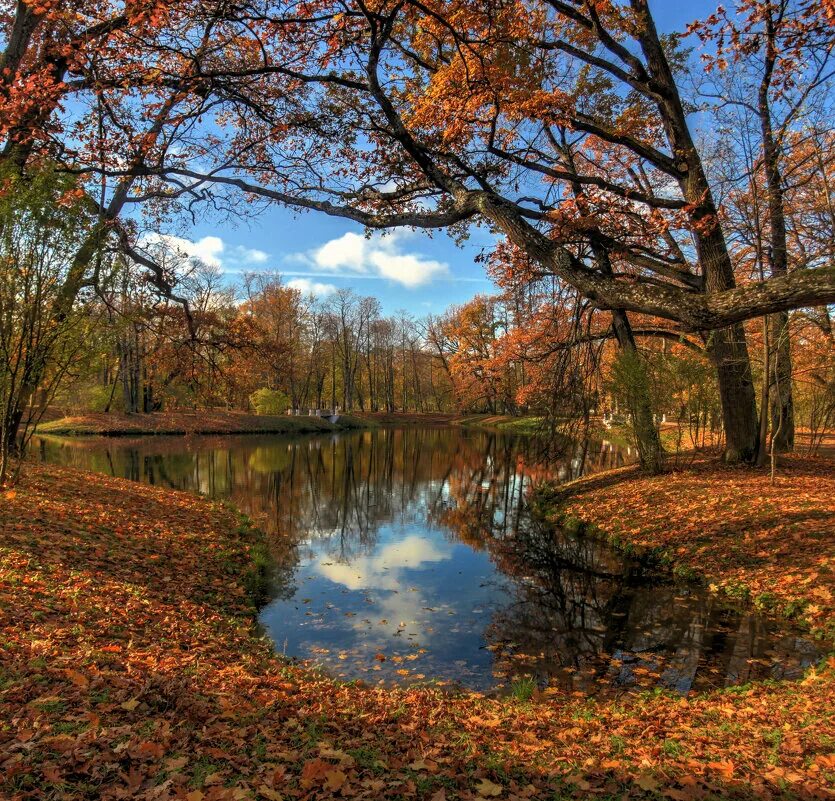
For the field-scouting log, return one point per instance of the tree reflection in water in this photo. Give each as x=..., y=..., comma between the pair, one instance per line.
x=405, y=555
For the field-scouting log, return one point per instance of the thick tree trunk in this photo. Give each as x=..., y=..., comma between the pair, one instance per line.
x=780, y=394
x=727, y=347
x=647, y=438
x=780, y=367
x=729, y=353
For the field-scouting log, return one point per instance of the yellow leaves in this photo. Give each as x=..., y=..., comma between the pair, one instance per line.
x=313, y=772
x=484, y=722
x=725, y=768
x=826, y=761
x=61, y=744
x=647, y=783
x=487, y=789
x=730, y=525
x=147, y=750
x=176, y=764
x=334, y=779
x=343, y=758
x=723, y=735
x=424, y=763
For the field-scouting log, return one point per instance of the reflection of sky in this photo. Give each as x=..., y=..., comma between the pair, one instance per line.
x=417, y=598
x=375, y=567
x=384, y=570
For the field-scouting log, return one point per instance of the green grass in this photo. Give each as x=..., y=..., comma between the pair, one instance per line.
x=151, y=425
x=523, y=688
x=349, y=421
x=523, y=425
x=517, y=425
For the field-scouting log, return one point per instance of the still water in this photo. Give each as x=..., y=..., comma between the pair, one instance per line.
x=410, y=555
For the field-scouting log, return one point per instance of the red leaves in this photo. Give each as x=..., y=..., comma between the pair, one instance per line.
x=318, y=772
x=147, y=750
x=224, y=721
x=731, y=525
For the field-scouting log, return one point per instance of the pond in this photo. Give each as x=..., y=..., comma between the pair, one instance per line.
x=410, y=555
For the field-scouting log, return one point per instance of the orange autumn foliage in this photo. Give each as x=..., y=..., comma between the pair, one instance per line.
x=130, y=670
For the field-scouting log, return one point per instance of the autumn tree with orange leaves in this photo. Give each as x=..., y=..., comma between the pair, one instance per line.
x=109, y=92
x=445, y=114
x=564, y=126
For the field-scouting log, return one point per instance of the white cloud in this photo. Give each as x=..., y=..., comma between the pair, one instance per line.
x=211, y=250
x=383, y=571
x=308, y=287
x=208, y=249
x=378, y=256
x=250, y=255
x=348, y=252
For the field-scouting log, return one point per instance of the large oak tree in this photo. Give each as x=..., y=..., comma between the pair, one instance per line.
x=428, y=114
x=437, y=114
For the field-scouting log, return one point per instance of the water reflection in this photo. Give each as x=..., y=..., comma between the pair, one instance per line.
x=410, y=555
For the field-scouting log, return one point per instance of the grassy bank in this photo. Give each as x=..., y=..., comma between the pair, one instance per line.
x=502, y=422
x=130, y=668
x=400, y=419
x=771, y=544
x=199, y=422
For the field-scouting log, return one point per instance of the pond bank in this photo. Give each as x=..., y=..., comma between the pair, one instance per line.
x=504, y=422
x=771, y=544
x=213, y=421
x=114, y=424
x=131, y=668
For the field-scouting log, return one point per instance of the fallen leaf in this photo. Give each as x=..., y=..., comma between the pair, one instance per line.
x=79, y=679
x=173, y=765
x=334, y=779
x=488, y=789
x=647, y=783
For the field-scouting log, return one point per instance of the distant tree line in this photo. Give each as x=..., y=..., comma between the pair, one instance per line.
x=643, y=188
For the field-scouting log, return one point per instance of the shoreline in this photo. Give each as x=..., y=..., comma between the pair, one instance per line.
x=132, y=665
x=715, y=524
x=209, y=423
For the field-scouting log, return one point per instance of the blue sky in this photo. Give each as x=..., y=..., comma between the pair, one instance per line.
x=412, y=271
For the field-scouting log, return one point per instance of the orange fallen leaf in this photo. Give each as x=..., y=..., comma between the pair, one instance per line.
x=77, y=678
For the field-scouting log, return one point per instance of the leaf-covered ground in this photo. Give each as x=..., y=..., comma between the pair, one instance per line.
x=131, y=669
x=773, y=544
